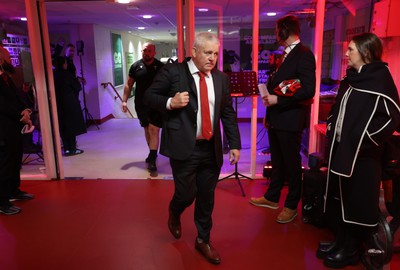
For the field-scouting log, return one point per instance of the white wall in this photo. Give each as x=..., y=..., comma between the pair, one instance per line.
x=97, y=65
x=71, y=33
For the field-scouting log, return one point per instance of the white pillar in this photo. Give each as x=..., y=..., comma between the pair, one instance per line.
x=190, y=27
x=253, y=137
x=42, y=70
x=180, y=30
x=318, y=40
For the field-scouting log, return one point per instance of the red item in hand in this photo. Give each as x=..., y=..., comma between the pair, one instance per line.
x=287, y=88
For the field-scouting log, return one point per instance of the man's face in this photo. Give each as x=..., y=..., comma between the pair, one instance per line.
x=148, y=52
x=70, y=52
x=205, y=57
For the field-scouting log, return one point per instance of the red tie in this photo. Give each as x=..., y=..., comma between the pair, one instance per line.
x=206, y=127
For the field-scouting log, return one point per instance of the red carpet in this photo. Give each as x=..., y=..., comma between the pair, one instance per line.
x=122, y=224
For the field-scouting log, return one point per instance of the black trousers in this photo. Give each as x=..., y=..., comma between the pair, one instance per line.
x=10, y=166
x=69, y=143
x=286, y=166
x=195, y=179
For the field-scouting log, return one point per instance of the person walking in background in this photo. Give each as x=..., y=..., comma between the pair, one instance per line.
x=143, y=72
x=70, y=116
x=195, y=98
x=13, y=116
x=286, y=117
x=365, y=114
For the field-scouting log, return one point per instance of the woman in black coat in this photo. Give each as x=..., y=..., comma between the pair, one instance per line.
x=70, y=116
x=365, y=115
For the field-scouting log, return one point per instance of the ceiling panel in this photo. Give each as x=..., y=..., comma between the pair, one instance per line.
x=236, y=13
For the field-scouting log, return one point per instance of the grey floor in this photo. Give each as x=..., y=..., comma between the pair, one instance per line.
x=117, y=150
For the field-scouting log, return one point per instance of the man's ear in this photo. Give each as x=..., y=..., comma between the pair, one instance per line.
x=194, y=50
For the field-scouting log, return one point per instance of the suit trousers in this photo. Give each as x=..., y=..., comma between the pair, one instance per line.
x=195, y=178
x=10, y=166
x=286, y=166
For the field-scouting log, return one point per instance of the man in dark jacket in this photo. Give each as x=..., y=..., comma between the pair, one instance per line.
x=287, y=116
x=13, y=117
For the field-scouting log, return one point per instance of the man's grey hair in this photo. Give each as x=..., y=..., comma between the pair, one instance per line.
x=202, y=37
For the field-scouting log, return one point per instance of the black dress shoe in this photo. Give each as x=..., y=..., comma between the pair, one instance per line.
x=342, y=258
x=326, y=248
x=208, y=251
x=174, y=225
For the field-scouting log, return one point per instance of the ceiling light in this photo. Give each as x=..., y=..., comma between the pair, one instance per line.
x=203, y=9
x=23, y=19
x=271, y=14
x=123, y=1
x=132, y=7
x=147, y=16
x=141, y=28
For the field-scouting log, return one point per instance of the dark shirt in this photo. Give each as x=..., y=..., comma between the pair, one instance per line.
x=144, y=75
x=71, y=66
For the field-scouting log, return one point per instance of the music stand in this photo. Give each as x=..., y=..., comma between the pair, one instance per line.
x=242, y=84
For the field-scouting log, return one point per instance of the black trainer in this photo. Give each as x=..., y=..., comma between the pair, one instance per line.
x=9, y=209
x=69, y=153
x=21, y=195
x=151, y=166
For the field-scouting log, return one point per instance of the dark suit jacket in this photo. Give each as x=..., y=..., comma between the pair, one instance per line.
x=292, y=113
x=178, y=136
x=10, y=111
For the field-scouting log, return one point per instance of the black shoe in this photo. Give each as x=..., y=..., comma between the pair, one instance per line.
x=151, y=166
x=174, y=225
x=21, y=195
x=208, y=251
x=326, y=248
x=78, y=151
x=342, y=258
x=9, y=209
x=68, y=153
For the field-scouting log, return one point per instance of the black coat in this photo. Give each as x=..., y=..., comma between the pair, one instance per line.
x=369, y=103
x=70, y=116
x=178, y=136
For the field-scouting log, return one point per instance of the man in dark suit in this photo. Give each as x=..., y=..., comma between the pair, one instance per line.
x=195, y=153
x=287, y=116
x=13, y=117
